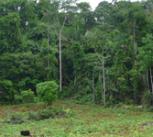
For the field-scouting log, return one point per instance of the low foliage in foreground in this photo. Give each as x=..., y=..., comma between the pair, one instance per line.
x=88, y=121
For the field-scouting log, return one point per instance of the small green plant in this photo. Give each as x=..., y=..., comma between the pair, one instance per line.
x=27, y=96
x=47, y=91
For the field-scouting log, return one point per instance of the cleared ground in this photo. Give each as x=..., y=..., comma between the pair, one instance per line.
x=84, y=121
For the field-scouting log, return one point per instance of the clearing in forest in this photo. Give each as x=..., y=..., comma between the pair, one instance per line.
x=82, y=121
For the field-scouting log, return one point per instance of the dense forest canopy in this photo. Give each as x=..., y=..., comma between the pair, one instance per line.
x=104, y=56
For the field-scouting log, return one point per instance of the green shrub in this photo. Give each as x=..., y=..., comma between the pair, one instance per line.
x=7, y=91
x=27, y=96
x=47, y=91
x=147, y=100
x=15, y=119
x=46, y=114
x=34, y=116
x=40, y=115
x=84, y=99
x=18, y=99
x=36, y=99
x=67, y=92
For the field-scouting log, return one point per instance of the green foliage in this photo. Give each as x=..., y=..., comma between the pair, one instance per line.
x=27, y=96
x=18, y=99
x=147, y=100
x=6, y=91
x=10, y=28
x=47, y=91
x=120, y=34
x=146, y=56
x=84, y=99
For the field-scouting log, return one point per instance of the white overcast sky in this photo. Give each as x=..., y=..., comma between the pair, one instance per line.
x=93, y=3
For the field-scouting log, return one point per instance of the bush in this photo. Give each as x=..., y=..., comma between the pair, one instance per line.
x=47, y=91
x=84, y=99
x=34, y=116
x=18, y=99
x=6, y=91
x=46, y=114
x=16, y=119
x=40, y=115
x=147, y=100
x=27, y=96
x=36, y=99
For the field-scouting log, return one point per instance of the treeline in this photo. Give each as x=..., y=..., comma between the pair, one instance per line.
x=104, y=56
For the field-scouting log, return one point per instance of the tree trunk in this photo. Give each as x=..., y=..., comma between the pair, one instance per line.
x=134, y=39
x=104, y=83
x=147, y=79
x=151, y=80
x=48, y=61
x=60, y=61
x=60, y=55
x=93, y=87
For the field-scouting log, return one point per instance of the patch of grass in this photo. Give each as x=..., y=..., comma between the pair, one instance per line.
x=84, y=121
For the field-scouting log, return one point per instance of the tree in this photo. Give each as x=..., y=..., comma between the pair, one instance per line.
x=10, y=28
x=146, y=59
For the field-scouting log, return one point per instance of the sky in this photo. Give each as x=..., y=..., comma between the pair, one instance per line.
x=93, y=3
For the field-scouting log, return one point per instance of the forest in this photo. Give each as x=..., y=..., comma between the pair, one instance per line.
x=64, y=50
